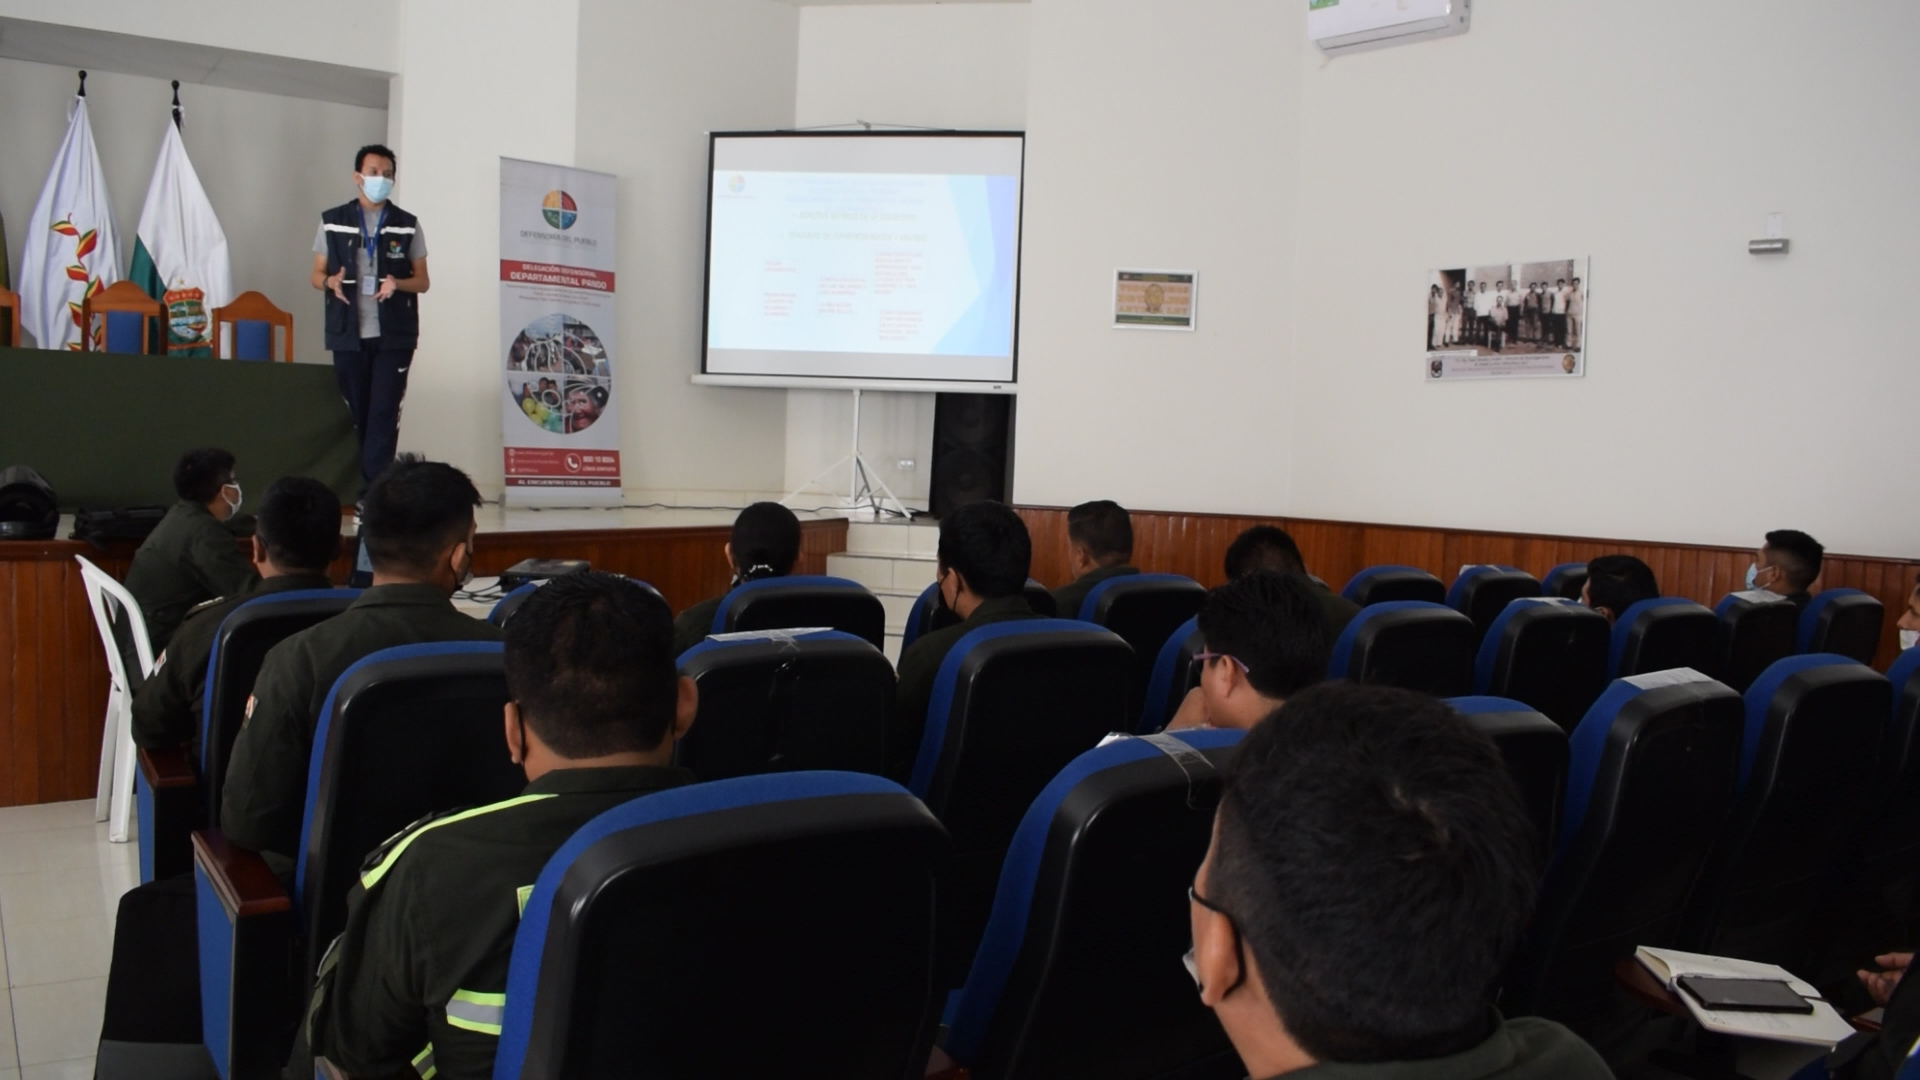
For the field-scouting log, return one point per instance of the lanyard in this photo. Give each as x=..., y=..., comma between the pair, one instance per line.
x=372, y=241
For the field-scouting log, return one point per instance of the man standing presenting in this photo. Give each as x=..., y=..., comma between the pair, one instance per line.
x=370, y=261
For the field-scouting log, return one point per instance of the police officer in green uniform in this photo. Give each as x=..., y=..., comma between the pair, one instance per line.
x=298, y=535
x=420, y=974
x=765, y=543
x=1269, y=547
x=984, y=555
x=190, y=557
x=1099, y=545
x=418, y=529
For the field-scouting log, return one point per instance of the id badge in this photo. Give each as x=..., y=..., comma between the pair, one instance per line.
x=368, y=286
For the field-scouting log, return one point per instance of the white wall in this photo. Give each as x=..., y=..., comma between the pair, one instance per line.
x=1160, y=137
x=655, y=76
x=924, y=65
x=269, y=165
x=470, y=92
x=345, y=32
x=1727, y=394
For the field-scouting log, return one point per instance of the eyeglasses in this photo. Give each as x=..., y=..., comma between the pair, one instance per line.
x=1208, y=657
x=1193, y=967
x=1193, y=894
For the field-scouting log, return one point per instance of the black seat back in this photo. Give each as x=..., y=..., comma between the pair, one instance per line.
x=1411, y=644
x=785, y=703
x=1013, y=703
x=929, y=614
x=1386, y=584
x=1103, y=857
x=1651, y=777
x=1482, y=593
x=1144, y=609
x=1664, y=634
x=764, y=926
x=1567, y=580
x=1535, y=750
x=240, y=646
x=803, y=602
x=1814, y=725
x=1548, y=653
x=1756, y=628
x=406, y=732
x=1843, y=621
x=1174, y=674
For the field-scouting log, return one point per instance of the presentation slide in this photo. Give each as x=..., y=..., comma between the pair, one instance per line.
x=864, y=256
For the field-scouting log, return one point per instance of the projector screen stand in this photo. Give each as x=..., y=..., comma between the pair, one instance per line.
x=861, y=483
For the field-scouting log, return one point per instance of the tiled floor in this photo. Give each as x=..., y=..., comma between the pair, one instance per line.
x=60, y=880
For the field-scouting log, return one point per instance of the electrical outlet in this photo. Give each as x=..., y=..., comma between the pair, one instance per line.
x=906, y=464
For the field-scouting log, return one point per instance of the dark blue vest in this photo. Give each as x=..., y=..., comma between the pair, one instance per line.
x=399, y=313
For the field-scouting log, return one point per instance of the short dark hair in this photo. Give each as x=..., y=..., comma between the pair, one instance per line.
x=987, y=543
x=414, y=510
x=360, y=156
x=1798, y=555
x=1617, y=582
x=200, y=474
x=765, y=541
x=1264, y=547
x=300, y=524
x=589, y=660
x=1348, y=809
x=1103, y=528
x=1272, y=623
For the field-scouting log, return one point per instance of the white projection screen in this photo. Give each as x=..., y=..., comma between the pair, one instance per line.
x=881, y=259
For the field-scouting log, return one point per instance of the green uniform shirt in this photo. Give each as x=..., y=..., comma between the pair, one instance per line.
x=1337, y=610
x=419, y=976
x=920, y=665
x=188, y=559
x=1068, y=598
x=166, y=708
x=693, y=625
x=266, y=786
x=1522, y=1049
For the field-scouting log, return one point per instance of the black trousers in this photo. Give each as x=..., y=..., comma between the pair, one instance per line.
x=373, y=381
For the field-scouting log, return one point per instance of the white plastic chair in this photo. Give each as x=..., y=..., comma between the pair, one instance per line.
x=112, y=603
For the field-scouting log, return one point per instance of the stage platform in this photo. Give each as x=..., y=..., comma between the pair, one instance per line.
x=53, y=674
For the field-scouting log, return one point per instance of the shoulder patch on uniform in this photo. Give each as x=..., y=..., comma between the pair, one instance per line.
x=204, y=605
x=380, y=863
x=251, y=702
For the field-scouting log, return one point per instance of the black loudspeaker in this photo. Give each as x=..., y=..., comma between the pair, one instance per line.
x=972, y=450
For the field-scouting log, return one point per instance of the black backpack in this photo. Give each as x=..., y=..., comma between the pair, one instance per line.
x=100, y=527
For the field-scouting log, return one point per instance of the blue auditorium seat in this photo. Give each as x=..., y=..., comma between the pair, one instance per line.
x=1814, y=727
x=1756, y=628
x=1844, y=621
x=1173, y=675
x=189, y=797
x=1548, y=652
x=763, y=926
x=405, y=732
x=780, y=704
x=1382, y=584
x=1652, y=774
x=802, y=601
x=1566, y=580
x=927, y=615
x=1661, y=634
x=1481, y=593
x=1411, y=644
x=1012, y=704
x=1104, y=856
x=1534, y=748
x=1143, y=609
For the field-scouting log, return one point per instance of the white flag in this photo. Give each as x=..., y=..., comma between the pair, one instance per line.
x=179, y=252
x=69, y=253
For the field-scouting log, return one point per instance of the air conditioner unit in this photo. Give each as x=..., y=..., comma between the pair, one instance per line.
x=1343, y=26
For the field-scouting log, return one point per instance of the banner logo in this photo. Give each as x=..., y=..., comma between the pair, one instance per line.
x=737, y=185
x=559, y=209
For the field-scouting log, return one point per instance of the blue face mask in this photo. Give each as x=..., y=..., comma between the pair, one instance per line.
x=1753, y=576
x=377, y=188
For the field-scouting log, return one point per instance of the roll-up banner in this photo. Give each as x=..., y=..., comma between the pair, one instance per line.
x=560, y=429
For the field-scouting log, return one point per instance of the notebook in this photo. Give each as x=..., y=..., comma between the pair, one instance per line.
x=1822, y=1027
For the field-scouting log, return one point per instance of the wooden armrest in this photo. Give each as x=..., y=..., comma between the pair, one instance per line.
x=163, y=769
x=1633, y=977
x=241, y=878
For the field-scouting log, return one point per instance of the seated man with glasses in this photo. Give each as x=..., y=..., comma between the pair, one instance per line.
x=1352, y=808
x=1266, y=637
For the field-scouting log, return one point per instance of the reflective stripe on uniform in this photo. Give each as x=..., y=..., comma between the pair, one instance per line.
x=477, y=1012
x=408, y=229
x=338, y=228
x=520, y=894
x=423, y=1063
x=371, y=877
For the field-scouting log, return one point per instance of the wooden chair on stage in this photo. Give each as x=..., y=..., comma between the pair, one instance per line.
x=131, y=318
x=11, y=301
x=243, y=329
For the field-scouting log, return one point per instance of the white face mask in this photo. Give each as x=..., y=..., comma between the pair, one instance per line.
x=233, y=504
x=1908, y=639
x=1753, y=576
